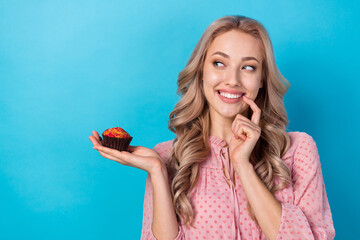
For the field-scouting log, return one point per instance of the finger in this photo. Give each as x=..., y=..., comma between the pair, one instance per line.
x=105, y=155
x=108, y=156
x=239, y=132
x=127, y=159
x=235, y=124
x=238, y=135
x=95, y=141
x=244, y=129
x=256, y=110
x=122, y=155
x=96, y=135
x=235, y=127
x=241, y=118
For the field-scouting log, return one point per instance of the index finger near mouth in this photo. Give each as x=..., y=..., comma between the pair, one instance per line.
x=256, y=111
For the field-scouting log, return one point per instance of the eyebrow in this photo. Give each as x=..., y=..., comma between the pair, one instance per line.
x=227, y=56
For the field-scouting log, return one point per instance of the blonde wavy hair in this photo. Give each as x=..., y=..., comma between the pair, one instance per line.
x=190, y=119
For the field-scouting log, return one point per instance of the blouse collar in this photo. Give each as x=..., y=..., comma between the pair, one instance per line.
x=217, y=141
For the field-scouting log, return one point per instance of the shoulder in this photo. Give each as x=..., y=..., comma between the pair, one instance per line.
x=300, y=138
x=164, y=149
x=303, y=149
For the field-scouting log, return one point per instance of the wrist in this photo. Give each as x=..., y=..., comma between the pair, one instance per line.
x=159, y=170
x=244, y=167
x=159, y=177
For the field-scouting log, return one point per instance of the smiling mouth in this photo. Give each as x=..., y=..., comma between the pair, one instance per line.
x=229, y=95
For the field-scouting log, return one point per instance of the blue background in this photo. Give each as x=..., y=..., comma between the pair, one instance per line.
x=70, y=67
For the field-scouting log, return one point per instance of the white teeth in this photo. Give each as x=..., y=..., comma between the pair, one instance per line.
x=228, y=95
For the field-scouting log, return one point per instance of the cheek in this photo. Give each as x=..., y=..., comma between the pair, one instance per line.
x=209, y=72
x=207, y=88
x=211, y=78
x=251, y=83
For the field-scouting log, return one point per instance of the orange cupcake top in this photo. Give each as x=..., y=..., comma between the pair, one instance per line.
x=116, y=132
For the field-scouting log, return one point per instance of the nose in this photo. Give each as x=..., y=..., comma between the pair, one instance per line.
x=233, y=77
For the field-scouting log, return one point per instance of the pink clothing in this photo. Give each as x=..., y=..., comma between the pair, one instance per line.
x=221, y=206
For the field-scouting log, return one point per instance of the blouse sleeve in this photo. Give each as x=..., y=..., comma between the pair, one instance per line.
x=309, y=217
x=146, y=233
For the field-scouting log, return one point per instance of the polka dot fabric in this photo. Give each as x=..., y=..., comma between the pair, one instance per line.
x=220, y=204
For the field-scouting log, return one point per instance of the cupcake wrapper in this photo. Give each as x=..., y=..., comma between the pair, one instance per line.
x=120, y=144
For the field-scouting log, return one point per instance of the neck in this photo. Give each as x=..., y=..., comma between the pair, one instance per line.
x=221, y=126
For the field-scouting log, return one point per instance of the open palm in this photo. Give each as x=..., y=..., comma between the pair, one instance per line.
x=136, y=156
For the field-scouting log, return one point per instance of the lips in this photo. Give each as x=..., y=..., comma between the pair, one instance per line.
x=226, y=97
x=231, y=91
x=231, y=94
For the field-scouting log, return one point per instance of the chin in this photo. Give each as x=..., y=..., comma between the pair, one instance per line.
x=229, y=114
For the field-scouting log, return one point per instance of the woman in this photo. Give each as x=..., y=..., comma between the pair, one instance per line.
x=232, y=172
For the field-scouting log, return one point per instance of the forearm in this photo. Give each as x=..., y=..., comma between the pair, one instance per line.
x=164, y=224
x=266, y=208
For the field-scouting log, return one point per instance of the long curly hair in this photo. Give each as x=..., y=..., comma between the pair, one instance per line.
x=190, y=119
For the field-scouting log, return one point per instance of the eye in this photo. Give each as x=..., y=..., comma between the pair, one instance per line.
x=249, y=67
x=217, y=62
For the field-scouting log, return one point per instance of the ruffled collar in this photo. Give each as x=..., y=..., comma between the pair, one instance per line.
x=214, y=140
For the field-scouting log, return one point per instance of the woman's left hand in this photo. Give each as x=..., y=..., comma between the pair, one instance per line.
x=246, y=134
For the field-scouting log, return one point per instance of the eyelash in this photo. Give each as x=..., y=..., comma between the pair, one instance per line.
x=244, y=66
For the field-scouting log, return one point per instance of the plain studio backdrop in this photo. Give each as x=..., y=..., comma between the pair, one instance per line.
x=70, y=67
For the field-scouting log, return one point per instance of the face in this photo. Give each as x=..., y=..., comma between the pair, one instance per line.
x=232, y=68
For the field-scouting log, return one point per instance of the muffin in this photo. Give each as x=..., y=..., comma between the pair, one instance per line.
x=116, y=138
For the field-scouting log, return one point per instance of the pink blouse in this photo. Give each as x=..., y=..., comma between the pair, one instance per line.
x=220, y=205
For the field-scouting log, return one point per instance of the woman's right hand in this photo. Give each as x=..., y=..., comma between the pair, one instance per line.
x=136, y=156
